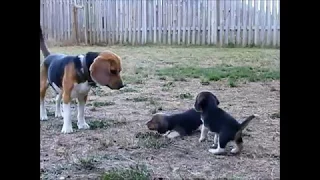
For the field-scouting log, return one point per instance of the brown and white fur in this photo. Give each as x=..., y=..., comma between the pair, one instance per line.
x=105, y=70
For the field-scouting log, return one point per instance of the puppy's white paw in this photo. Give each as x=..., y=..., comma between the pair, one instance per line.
x=173, y=135
x=217, y=151
x=83, y=126
x=201, y=139
x=214, y=146
x=66, y=129
x=235, y=150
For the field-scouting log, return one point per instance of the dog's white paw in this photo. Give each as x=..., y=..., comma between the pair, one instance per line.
x=66, y=129
x=57, y=114
x=217, y=151
x=83, y=126
x=43, y=114
x=43, y=117
x=201, y=139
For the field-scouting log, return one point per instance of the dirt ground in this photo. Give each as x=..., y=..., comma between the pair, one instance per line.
x=117, y=117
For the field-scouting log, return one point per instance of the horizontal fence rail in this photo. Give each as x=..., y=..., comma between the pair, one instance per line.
x=188, y=22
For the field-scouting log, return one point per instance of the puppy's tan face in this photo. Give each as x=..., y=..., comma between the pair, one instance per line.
x=105, y=70
x=157, y=123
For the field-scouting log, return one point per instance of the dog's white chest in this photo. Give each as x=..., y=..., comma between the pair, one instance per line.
x=80, y=89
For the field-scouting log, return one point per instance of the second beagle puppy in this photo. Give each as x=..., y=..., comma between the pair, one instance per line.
x=225, y=127
x=175, y=125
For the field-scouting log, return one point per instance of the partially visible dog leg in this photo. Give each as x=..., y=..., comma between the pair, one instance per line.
x=215, y=141
x=81, y=120
x=239, y=146
x=43, y=89
x=219, y=150
x=166, y=134
x=204, y=133
x=223, y=139
x=67, y=84
x=173, y=134
x=58, y=104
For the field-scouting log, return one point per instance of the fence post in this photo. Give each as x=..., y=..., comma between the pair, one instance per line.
x=75, y=22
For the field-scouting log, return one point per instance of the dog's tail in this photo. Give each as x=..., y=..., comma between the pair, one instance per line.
x=43, y=45
x=243, y=125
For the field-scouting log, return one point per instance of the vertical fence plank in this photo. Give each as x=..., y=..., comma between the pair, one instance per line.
x=190, y=18
x=244, y=12
x=179, y=10
x=250, y=22
x=262, y=23
x=203, y=24
x=226, y=22
x=239, y=6
x=274, y=14
x=268, y=10
x=215, y=23
x=256, y=23
x=278, y=23
x=159, y=25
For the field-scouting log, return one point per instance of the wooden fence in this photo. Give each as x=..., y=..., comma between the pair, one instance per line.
x=189, y=22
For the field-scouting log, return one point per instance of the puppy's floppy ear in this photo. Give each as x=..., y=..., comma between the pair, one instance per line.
x=199, y=103
x=217, y=100
x=153, y=124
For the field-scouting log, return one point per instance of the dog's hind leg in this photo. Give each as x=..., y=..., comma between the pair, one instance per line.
x=58, y=105
x=223, y=138
x=239, y=146
x=43, y=89
x=81, y=120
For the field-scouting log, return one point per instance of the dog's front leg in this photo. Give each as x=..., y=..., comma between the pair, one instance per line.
x=67, y=123
x=81, y=120
x=204, y=133
x=58, y=108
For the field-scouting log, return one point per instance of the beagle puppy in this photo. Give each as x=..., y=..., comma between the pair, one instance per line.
x=175, y=125
x=225, y=127
x=72, y=77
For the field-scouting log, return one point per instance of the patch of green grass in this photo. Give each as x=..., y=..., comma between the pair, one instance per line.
x=105, y=103
x=137, y=172
x=152, y=140
x=86, y=163
x=98, y=124
x=185, y=96
x=138, y=99
x=220, y=72
x=133, y=79
x=128, y=90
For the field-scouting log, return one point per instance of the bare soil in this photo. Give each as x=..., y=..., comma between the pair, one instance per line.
x=87, y=154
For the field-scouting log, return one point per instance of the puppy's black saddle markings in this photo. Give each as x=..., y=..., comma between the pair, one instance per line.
x=220, y=122
x=183, y=124
x=57, y=62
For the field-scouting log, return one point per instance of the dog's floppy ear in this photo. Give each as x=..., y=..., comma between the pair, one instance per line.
x=217, y=100
x=105, y=70
x=200, y=102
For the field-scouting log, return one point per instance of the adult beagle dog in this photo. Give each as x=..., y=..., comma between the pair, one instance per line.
x=215, y=119
x=175, y=125
x=72, y=77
